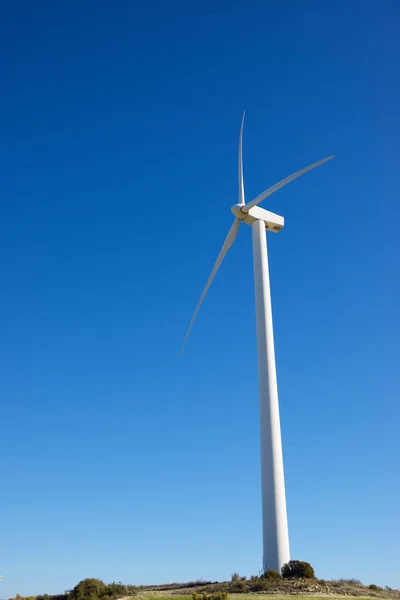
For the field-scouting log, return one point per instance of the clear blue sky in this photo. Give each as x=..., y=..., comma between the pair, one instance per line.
x=119, y=128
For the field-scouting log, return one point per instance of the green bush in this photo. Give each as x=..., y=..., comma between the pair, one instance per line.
x=297, y=568
x=271, y=574
x=373, y=587
x=89, y=589
x=235, y=577
x=95, y=589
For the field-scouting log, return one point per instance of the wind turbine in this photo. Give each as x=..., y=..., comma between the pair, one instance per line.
x=274, y=516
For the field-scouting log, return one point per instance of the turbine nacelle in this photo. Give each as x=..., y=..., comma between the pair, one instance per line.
x=272, y=221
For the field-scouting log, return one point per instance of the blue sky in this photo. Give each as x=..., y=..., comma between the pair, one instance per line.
x=119, y=128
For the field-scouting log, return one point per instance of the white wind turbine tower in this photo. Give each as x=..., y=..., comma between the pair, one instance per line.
x=274, y=516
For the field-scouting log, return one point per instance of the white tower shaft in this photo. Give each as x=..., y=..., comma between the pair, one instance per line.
x=274, y=516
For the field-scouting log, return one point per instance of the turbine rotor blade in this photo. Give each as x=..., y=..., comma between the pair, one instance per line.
x=284, y=182
x=240, y=164
x=230, y=238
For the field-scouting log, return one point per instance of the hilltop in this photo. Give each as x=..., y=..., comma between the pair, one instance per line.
x=240, y=588
x=244, y=589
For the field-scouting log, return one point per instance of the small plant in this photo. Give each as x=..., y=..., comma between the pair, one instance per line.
x=219, y=596
x=235, y=577
x=296, y=569
x=373, y=587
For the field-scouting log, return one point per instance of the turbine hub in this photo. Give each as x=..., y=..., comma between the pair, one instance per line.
x=238, y=212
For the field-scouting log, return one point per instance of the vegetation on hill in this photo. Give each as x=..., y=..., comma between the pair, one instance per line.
x=297, y=579
x=89, y=589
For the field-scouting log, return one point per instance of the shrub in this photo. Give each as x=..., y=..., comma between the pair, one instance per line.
x=214, y=596
x=343, y=582
x=258, y=586
x=239, y=585
x=218, y=587
x=47, y=597
x=271, y=574
x=264, y=585
x=116, y=589
x=373, y=587
x=89, y=589
x=131, y=590
x=235, y=577
x=297, y=568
